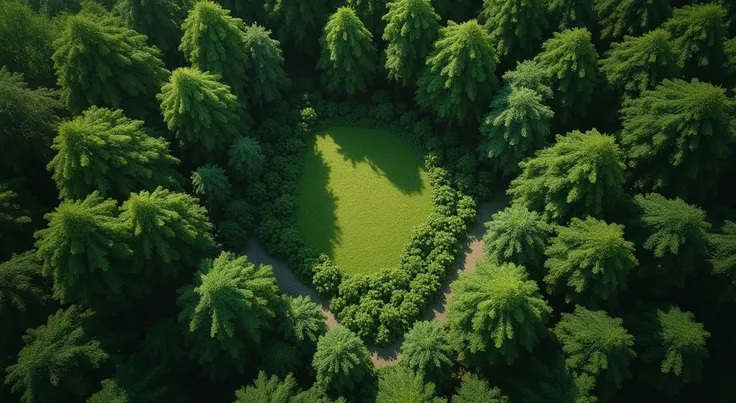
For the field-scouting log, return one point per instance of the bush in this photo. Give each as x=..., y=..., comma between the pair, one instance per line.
x=327, y=277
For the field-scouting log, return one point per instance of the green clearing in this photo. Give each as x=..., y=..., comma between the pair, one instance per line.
x=361, y=193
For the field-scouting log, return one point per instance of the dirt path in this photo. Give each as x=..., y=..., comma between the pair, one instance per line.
x=387, y=355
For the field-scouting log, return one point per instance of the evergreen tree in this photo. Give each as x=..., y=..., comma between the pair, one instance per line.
x=348, y=58
x=342, y=363
x=100, y=62
x=581, y=174
x=370, y=12
x=411, y=29
x=554, y=382
x=515, y=26
x=159, y=20
x=678, y=136
x=26, y=39
x=211, y=184
x=102, y=150
x=56, y=359
x=723, y=251
x=268, y=390
x=571, y=62
x=697, y=33
x=516, y=126
x=517, y=235
x=426, y=351
x=204, y=113
x=246, y=158
x=299, y=22
x=400, y=384
x=133, y=383
x=226, y=309
x=589, y=261
x=495, y=313
x=265, y=66
x=630, y=17
x=571, y=14
x=302, y=322
x=473, y=389
x=459, y=77
x=529, y=74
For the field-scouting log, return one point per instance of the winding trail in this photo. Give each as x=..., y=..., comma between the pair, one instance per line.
x=472, y=251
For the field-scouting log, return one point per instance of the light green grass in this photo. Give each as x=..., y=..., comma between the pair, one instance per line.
x=361, y=193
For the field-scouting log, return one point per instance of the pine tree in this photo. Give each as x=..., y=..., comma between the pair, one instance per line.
x=581, y=174
x=302, y=322
x=348, y=58
x=411, y=29
x=246, y=158
x=515, y=26
x=589, y=261
x=204, y=113
x=678, y=136
x=571, y=14
x=299, y=22
x=473, y=389
x=517, y=235
x=100, y=62
x=426, y=351
x=211, y=184
x=26, y=38
x=698, y=32
x=265, y=65
x=268, y=390
x=400, y=384
x=159, y=20
x=516, y=126
x=459, y=77
x=723, y=251
x=529, y=74
x=571, y=62
x=104, y=151
x=342, y=363
x=495, y=313
x=630, y=17
x=56, y=357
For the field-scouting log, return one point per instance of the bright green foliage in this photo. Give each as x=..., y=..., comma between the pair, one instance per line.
x=246, y=158
x=678, y=136
x=23, y=294
x=459, y=78
x=698, y=32
x=411, y=29
x=529, y=74
x=299, y=21
x=268, y=390
x=581, y=174
x=516, y=126
x=302, y=322
x=105, y=151
x=133, y=383
x=213, y=41
x=571, y=62
x=595, y=344
x=571, y=14
x=14, y=211
x=56, y=356
x=211, y=184
x=630, y=17
x=204, y=113
x=495, y=313
x=473, y=389
x=348, y=58
x=723, y=250
x=101, y=62
x=159, y=20
x=640, y=63
x=517, y=235
x=401, y=385
x=370, y=12
x=426, y=351
x=169, y=230
x=342, y=363
x=226, y=309
x=265, y=67
x=82, y=248
x=515, y=26
x=554, y=382
x=26, y=41
x=589, y=261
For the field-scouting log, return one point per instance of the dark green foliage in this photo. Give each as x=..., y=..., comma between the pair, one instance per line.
x=555, y=383
x=159, y=20
x=400, y=384
x=250, y=11
x=729, y=65
x=473, y=389
x=581, y=174
x=327, y=277
x=53, y=8
x=302, y=322
x=348, y=58
x=426, y=351
x=26, y=41
x=571, y=14
x=678, y=137
x=246, y=158
x=630, y=17
x=133, y=383
x=723, y=250
x=237, y=224
x=163, y=344
x=299, y=22
x=265, y=65
x=104, y=151
x=698, y=32
x=517, y=235
x=370, y=12
x=342, y=363
x=211, y=184
x=529, y=74
x=14, y=213
x=515, y=26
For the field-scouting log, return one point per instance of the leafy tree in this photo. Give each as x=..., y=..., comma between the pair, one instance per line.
x=265, y=68
x=342, y=363
x=517, y=235
x=473, y=389
x=370, y=12
x=571, y=62
x=572, y=14
x=210, y=183
x=302, y=322
x=100, y=62
x=348, y=58
x=459, y=76
x=723, y=250
x=697, y=33
x=105, y=151
x=426, y=351
x=529, y=74
x=227, y=308
x=204, y=113
x=26, y=39
x=589, y=261
x=402, y=385
x=516, y=126
x=411, y=29
x=678, y=136
x=581, y=174
x=515, y=26
x=630, y=17
x=495, y=313
x=55, y=359
x=133, y=383
x=159, y=20
x=299, y=22
x=246, y=158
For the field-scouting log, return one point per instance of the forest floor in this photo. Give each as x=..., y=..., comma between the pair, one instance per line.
x=465, y=262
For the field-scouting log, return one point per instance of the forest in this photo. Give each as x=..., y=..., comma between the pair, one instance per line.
x=367, y=201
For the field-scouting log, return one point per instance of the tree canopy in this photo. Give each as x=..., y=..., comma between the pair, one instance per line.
x=427, y=351
x=519, y=236
x=515, y=26
x=630, y=17
x=265, y=65
x=342, y=363
x=698, y=32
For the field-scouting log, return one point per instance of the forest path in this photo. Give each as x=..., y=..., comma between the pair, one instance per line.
x=471, y=252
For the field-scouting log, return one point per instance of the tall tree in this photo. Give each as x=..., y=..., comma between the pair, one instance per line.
x=571, y=62
x=723, y=251
x=265, y=66
x=459, y=77
x=101, y=62
x=400, y=384
x=519, y=236
x=411, y=29
x=246, y=158
x=630, y=17
x=581, y=174
x=473, y=389
x=342, y=363
x=301, y=323
x=495, y=313
x=698, y=32
x=571, y=14
x=426, y=350
x=159, y=20
x=348, y=58
x=26, y=39
x=529, y=74
x=678, y=136
x=299, y=22
x=267, y=389
x=516, y=26
x=210, y=182
x=104, y=151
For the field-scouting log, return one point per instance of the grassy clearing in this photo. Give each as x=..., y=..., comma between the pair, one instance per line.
x=361, y=193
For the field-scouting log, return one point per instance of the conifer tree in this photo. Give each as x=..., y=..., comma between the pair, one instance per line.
x=400, y=384
x=571, y=62
x=300, y=22
x=495, y=313
x=342, y=363
x=267, y=389
x=589, y=261
x=411, y=29
x=265, y=65
x=26, y=38
x=529, y=74
x=459, y=77
x=515, y=26
x=302, y=322
x=555, y=382
x=210, y=183
x=426, y=351
x=630, y=17
x=348, y=58
x=581, y=174
x=698, y=32
x=640, y=63
x=723, y=251
x=100, y=62
x=678, y=136
x=105, y=151
x=204, y=113
x=571, y=14
x=159, y=20
x=516, y=126
x=473, y=389
x=517, y=235
x=246, y=158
